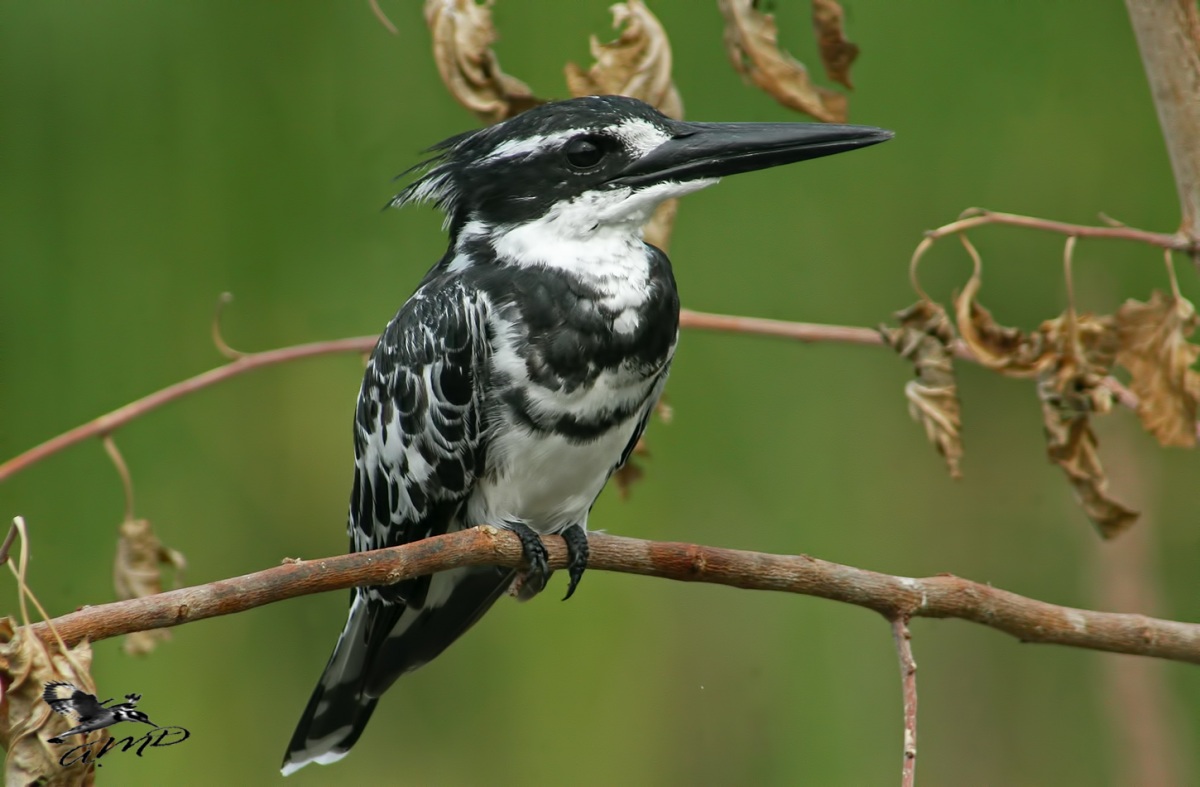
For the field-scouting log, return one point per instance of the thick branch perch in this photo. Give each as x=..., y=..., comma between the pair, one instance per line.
x=942, y=596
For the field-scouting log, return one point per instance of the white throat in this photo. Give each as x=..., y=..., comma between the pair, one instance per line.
x=597, y=235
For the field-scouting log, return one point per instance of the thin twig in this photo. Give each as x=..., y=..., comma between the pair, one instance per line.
x=110, y=447
x=114, y=420
x=978, y=217
x=704, y=321
x=908, y=680
x=782, y=329
x=117, y=418
x=6, y=547
x=943, y=596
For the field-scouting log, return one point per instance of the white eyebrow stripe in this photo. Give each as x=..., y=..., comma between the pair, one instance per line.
x=641, y=135
x=520, y=147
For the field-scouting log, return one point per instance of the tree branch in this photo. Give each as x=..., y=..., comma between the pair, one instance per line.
x=908, y=680
x=1168, y=36
x=943, y=596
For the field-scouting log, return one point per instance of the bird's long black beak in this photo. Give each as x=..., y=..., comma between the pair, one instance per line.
x=713, y=150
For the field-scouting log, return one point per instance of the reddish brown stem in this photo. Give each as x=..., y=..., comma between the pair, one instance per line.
x=110, y=422
x=755, y=326
x=978, y=218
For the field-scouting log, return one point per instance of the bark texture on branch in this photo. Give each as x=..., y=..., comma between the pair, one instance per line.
x=943, y=596
x=1168, y=36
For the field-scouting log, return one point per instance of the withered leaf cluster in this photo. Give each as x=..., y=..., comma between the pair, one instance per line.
x=1154, y=347
x=752, y=42
x=1070, y=357
x=462, y=49
x=636, y=64
x=837, y=54
x=26, y=722
x=137, y=572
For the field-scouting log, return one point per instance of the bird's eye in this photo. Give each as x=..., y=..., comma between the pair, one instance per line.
x=583, y=153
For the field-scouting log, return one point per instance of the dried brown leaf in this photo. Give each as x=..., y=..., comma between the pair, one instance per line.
x=1007, y=350
x=27, y=663
x=137, y=572
x=1082, y=350
x=752, y=42
x=837, y=54
x=636, y=64
x=1155, y=350
x=631, y=472
x=924, y=337
x=462, y=38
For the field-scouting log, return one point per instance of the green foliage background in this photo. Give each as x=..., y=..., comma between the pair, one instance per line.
x=155, y=155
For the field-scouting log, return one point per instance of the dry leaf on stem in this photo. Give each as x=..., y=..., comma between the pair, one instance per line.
x=924, y=337
x=752, y=41
x=631, y=472
x=636, y=64
x=462, y=38
x=1082, y=350
x=1155, y=350
x=837, y=54
x=137, y=572
x=1007, y=350
x=1070, y=356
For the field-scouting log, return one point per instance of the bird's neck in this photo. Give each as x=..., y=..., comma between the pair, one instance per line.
x=602, y=254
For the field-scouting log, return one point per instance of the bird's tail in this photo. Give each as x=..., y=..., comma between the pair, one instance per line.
x=338, y=711
x=381, y=642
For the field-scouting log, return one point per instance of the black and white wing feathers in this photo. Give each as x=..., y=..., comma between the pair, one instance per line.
x=72, y=702
x=419, y=445
x=417, y=425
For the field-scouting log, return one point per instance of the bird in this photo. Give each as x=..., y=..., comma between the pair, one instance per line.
x=88, y=714
x=522, y=371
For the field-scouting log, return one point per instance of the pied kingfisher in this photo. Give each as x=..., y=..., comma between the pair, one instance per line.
x=522, y=371
x=89, y=714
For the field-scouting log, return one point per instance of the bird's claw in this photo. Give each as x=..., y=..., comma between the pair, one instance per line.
x=537, y=572
x=577, y=556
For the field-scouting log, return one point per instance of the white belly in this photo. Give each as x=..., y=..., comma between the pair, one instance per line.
x=544, y=480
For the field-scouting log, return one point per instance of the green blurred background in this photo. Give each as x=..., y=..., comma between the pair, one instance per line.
x=155, y=155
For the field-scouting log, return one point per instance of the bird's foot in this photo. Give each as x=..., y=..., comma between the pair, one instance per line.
x=532, y=579
x=577, y=556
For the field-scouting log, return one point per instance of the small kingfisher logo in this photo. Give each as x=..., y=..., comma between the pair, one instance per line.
x=90, y=715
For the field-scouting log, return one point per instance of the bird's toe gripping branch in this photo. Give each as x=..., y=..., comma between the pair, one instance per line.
x=532, y=579
x=577, y=556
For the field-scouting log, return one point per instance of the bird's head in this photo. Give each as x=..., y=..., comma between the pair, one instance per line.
x=603, y=161
x=135, y=715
